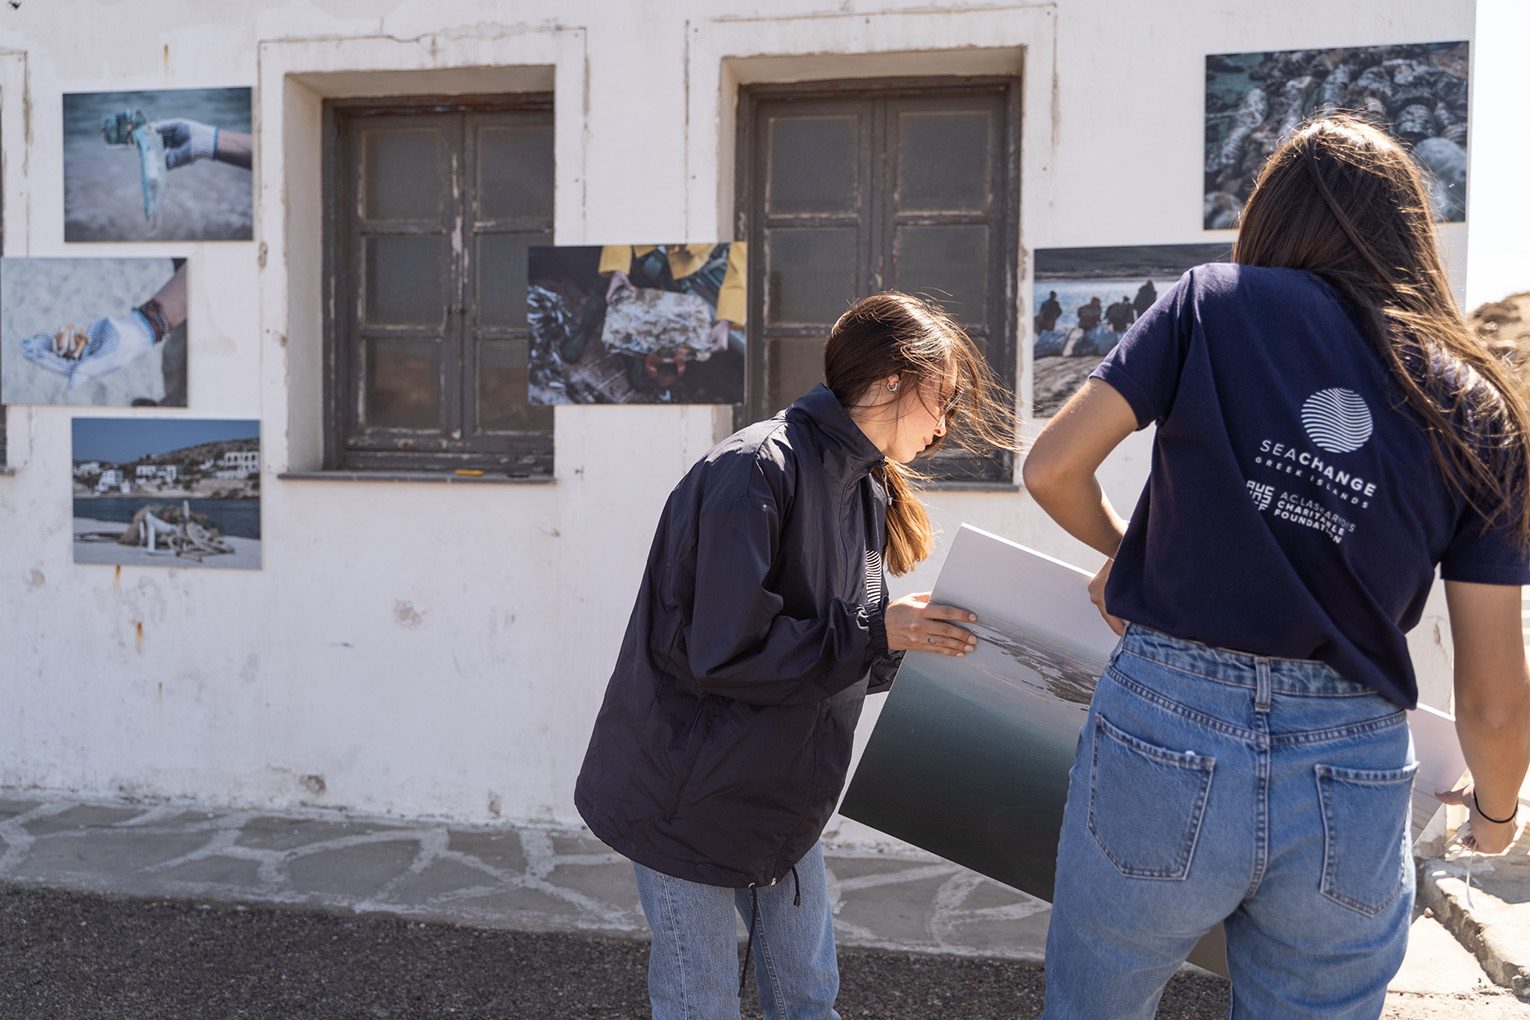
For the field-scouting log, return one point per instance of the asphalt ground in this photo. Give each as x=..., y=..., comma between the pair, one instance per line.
x=67, y=956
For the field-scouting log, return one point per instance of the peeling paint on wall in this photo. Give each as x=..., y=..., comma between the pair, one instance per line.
x=405, y=615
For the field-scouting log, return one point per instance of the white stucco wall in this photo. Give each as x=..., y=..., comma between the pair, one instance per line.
x=440, y=649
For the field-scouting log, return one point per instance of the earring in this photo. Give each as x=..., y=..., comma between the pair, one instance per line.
x=892, y=387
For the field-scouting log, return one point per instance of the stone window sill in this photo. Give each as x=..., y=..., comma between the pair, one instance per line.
x=411, y=476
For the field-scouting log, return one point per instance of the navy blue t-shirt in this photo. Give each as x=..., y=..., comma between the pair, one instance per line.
x=1295, y=508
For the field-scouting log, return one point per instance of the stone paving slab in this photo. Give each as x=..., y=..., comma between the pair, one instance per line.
x=540, y=879
x=526, y=878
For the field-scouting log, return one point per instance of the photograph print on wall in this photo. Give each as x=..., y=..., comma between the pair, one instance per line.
x=167, y=492
x=167, y=165
x=108, y=332
x=1415, y=92
x=1086, y=300
x=637, y=324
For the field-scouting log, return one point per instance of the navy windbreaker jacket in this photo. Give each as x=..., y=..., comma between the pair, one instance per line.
x=724, y=738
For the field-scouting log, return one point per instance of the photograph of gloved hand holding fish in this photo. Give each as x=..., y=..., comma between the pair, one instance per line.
x=170, y=165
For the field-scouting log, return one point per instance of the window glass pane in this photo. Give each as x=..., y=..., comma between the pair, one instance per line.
x=943, y=161
x=502, y=386
x=500, y=278
x=515, y=171
x=403, y=383
x=402, y=285
x=402, y=178
x=796, y=366
x=814, y=163
x=947, y=263
x=810, y=273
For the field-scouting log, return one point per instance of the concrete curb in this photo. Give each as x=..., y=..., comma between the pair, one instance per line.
x=1491, y=918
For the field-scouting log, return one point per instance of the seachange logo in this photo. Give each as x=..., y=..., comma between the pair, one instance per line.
x=1337, y=420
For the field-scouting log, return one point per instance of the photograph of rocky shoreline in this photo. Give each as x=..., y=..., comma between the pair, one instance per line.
x=168, y=492
x=1416, y=92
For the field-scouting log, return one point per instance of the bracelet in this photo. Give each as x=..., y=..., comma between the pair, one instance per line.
x=1489, y=818
x=154, y=314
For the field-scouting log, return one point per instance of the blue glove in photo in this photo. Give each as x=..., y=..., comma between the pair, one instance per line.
x=187, y=141
x=108, y=344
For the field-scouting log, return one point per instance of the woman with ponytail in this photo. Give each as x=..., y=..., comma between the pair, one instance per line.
x=761, y=624
x=1329, y=433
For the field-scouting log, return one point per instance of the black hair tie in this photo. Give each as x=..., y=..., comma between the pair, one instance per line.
x=1490, y=818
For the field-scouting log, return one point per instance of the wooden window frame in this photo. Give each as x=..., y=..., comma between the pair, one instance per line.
x=954, y=469
x=518, y=454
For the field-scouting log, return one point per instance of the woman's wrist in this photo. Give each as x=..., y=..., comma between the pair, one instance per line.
x=1495, y=819
x=154, y=314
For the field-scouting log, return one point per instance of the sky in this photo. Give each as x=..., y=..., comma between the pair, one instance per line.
x=120, y=440
x=1498, y=210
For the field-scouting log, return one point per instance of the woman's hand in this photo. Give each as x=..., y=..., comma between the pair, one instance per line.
x=1478, y=833
x=619, y=282
x=915, y=624
x=717, y=336
x=1097, y=596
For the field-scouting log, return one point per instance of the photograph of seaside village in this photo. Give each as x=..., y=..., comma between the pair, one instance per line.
x=167, y=492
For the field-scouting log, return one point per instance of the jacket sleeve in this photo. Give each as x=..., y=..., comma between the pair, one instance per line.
x=738, y=641
x=883, y=670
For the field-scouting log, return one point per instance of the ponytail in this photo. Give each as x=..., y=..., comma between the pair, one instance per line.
x=910, y=535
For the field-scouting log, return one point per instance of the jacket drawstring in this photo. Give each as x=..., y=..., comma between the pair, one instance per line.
x=754, y=917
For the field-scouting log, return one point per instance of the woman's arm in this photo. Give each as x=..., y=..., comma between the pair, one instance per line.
x=1059, y=470
x=1492, y=684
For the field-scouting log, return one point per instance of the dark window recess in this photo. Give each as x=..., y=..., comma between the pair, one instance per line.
x=431, y=205
x=848, y=188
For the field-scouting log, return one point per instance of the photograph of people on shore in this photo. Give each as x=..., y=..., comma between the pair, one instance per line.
x=1086, y=300
x=167, y=492
x=107, y=332
x=1416, y=92
x=169, y=165
x=637, y=324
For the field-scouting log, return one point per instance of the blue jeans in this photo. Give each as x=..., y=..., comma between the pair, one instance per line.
x=1212, y=786
x=693, y=967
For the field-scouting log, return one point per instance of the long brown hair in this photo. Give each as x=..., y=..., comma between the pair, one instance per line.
x=891, y=334
x=1341, y=199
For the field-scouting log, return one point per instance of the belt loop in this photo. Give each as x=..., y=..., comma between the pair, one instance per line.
x=1261, y=683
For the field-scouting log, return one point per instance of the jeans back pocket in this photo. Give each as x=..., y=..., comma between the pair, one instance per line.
x=1146, y=803
x=1365, y=821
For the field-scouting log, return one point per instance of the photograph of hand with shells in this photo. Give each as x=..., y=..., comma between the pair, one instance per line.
x=108, y=332
x=1417, y=92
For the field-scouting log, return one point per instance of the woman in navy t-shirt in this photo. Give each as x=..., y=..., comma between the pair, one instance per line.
x=1329, y=432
